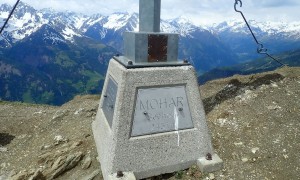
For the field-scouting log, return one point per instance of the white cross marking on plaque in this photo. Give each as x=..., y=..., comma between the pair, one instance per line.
x=176, y=124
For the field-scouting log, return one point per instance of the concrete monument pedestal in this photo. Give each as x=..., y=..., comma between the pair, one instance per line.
x=151, y=119
x=146, y=146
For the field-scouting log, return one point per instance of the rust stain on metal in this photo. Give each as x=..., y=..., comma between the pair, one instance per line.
x=157, y=48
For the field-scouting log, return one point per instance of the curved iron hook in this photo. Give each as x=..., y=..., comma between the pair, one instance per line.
x=236, y=3
x=261, y=49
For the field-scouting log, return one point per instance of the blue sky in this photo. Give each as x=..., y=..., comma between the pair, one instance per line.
x=198, y=11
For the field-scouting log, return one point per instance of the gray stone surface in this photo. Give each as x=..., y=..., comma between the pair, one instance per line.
x=108, y=105
x=153, y=154
x=210, y=165
x=161, y=109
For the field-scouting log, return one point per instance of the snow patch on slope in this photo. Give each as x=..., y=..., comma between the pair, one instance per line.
x=69, y=33
x=181, y=25
x=116, y=21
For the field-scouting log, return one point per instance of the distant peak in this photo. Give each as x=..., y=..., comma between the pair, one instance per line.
x=121, y=13
x=181, y=20
x=21, y=3
x=96, y=15
x=24, y=5
x=48, y=11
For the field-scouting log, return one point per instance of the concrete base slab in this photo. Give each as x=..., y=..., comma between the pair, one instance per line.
x=126, y=176
x=207, y=166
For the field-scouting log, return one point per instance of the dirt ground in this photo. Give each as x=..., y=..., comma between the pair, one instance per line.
x=254, y=122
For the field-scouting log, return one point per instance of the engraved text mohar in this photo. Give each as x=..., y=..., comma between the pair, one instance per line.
x=157, y=110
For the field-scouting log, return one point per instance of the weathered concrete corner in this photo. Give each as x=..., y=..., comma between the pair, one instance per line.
x=126, y=176
x=212, y=165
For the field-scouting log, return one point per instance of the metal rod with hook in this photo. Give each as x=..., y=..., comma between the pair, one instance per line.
x=241, y=4
x=260, y=46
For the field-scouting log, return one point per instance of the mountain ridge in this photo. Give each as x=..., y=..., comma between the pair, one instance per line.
x=45, y=42
x=80, y=23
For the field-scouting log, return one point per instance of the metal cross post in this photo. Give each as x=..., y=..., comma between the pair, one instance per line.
x=149, y=46
x=149, y=11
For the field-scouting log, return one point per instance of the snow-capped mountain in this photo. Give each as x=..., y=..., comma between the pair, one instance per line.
x=260, y=28
x=217, y=45
x=277, y=37
x=59, y=54
x=66, y=23
x=109, y=29
x=182, y=26
x=24, y=22
x=49, y=57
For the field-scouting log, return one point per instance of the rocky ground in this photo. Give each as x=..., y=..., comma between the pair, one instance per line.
x=254, y=122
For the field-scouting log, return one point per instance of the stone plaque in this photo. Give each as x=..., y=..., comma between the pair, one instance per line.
x=109, y=101
x=161, y=109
